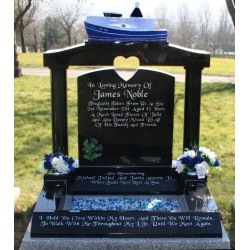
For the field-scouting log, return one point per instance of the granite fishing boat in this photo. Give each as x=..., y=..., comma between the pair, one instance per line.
x=112, y=27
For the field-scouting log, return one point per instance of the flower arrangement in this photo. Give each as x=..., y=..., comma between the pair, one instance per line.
x=58, y=163
x=92, y=149
x=196, y=161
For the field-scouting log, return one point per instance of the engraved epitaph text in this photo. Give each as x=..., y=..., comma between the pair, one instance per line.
x=132, y=119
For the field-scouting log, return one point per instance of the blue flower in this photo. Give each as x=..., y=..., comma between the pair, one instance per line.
x=71, y=161
x=199, y=153
x=48, y=165
x=56, y=155
x=197, y=160
x=216, y=163
x=71, y=169
x=186, y=160
x=48, y=157
x=65, y=158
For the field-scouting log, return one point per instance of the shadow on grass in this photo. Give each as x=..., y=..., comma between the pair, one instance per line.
x=21, y=221
x=217, y=88
x=206, y=90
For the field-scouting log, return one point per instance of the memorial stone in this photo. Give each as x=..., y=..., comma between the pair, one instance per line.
x=133, y=120
x=125, y=186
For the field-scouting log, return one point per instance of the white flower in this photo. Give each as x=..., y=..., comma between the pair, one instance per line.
x=205, y=151
x=210, y=154
x=179, y=167
x=201, y=169
x=75, y=164
x=192, y=153
x=59, y=165
x=212, y=157
x=62, y=168
x=57, y=161
x=174, y=163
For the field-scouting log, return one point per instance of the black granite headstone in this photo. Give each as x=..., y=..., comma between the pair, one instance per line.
x=132, y=120
x=125, y=152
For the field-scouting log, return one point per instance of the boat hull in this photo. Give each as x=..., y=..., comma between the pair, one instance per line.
x=105, y=33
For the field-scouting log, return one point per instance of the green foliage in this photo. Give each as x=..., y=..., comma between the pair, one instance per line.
x=54, y=35
x=91, y=149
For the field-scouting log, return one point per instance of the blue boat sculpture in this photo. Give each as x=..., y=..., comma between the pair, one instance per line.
x=112, y=27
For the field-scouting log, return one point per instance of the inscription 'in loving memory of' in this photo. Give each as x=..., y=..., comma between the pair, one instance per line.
x=131, y=112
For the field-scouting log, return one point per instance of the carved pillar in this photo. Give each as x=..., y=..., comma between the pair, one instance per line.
x=192, y=107
x=59, y=109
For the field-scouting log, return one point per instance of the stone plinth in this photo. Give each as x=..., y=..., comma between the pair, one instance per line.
x=125, y=243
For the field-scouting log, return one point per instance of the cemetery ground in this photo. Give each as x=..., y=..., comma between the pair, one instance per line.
x=33, y=138
x=218, y=66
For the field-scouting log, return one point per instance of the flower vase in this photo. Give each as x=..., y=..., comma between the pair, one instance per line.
x=191, y=181
x=192, y=175
x=55, y=179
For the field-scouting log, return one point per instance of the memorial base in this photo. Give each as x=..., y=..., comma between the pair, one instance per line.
x=29, y=243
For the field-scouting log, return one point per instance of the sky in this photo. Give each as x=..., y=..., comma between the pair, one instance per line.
x=148, y=7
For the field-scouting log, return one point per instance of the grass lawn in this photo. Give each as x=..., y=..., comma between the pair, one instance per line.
x=33, y=139
x=218, y=66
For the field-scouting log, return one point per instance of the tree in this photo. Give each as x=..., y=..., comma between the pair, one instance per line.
x=68, y=15
x=18, y=15
x=161, y=13
x=186, y=26
x=205, y=25
x=26, y=20
x=225, y=32
x=54, y=36
x=35, y=31
x=164, y=21
x=79, y=34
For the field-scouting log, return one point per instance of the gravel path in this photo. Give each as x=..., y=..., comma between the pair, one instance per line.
x=76, y=72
